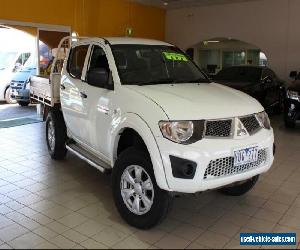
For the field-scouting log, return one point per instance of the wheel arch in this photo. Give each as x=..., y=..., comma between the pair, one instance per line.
x=135, y=126
x=129, y=137
x=5, y=90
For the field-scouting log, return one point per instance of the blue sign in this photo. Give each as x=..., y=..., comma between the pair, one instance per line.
x=268, y=239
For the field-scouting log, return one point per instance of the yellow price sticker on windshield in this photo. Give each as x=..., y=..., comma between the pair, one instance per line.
x=175, y=56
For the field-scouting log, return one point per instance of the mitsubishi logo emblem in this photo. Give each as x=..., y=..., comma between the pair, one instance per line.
x=241, y=131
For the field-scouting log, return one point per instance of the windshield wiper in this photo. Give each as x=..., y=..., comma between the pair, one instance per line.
x=172, y=81
x=159, y=81
x=201, y=80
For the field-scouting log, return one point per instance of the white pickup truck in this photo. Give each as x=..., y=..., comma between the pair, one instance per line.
x=144, y=110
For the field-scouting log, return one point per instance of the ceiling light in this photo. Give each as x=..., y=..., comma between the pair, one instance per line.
x=213, y=41
x=166, y=3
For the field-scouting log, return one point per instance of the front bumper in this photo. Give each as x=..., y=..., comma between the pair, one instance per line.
x=210, y=150
x=20, y=95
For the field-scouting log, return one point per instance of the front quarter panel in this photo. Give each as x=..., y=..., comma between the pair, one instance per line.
x=135, y=122
x=135, y=111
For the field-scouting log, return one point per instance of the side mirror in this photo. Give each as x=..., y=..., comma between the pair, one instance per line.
x=17, y=67
x=98, y=77
x=293, y=74
x=267, y=80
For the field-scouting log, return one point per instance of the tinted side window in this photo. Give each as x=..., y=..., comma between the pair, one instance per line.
x=76, y=61
x=249, y=74
x=228, y=74
x=98, y=59
x=98, y=73
x=268, y=73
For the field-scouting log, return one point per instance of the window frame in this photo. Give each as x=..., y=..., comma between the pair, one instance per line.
x=91, y=51
x=70, y=57
x=265, y=73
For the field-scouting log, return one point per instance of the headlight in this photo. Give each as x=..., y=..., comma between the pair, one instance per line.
x=294, y=95
x=183, y=132
x=264, y=120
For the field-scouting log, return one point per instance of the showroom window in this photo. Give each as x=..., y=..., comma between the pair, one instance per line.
x=231, y=58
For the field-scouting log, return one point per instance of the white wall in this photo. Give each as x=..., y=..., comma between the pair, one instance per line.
x=271, y=25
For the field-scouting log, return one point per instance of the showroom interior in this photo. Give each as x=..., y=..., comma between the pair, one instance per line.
x=51, y=199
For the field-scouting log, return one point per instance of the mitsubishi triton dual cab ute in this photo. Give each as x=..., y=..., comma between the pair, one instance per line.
x=143, y=110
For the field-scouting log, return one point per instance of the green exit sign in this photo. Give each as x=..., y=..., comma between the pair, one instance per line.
x=129, y=31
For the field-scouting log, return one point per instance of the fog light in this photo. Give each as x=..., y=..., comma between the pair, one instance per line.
x=183, y=169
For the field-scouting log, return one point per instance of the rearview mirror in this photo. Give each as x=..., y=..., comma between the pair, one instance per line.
x=293, y=74
x=98, y=77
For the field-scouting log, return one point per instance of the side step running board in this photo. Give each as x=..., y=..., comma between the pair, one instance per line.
x=88, y=157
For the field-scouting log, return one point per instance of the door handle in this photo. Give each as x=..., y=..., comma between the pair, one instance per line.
x=83, y=95
x=62, y=87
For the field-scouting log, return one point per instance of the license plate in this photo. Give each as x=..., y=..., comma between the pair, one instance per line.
x=245, y=156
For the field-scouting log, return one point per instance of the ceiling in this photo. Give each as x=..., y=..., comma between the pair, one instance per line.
x=175, y=4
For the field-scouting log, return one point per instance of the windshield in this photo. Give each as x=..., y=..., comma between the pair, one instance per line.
x=152, y=64
x=6, y=59
x=30, y=63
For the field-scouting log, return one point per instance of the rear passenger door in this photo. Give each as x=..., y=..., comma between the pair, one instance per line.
x=71, y=93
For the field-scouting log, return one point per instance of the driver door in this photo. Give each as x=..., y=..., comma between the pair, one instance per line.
x=98, y=105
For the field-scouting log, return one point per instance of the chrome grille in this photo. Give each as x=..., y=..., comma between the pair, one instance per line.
x=17, y=84
x=18, y=81
x=225, y=166
x=251, y=124
x=220, y=128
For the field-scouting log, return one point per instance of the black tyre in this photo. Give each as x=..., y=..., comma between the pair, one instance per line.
x=290, y=123
x=141, y=203
x=23, y=104
x=8, y=98
x=240, y=188
x=56, y=135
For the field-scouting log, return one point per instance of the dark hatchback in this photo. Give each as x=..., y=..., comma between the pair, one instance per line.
x=292, y=101
x=258, y=82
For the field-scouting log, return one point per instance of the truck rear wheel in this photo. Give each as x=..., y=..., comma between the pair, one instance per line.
x=241, y=188
x=139, y=200
x=56, y=135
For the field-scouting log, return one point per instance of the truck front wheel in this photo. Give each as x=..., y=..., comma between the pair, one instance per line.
x=23, y=104
x=8, y=98
x=139, y=200
x=241, y=188
x=56, y=135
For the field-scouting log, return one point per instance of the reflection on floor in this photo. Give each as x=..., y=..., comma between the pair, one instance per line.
x=14, y=115
x=47, y=204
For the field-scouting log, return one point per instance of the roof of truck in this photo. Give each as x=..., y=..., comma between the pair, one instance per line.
x=127, y=40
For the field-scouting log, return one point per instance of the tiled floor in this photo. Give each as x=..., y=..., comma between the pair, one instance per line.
x=47, y=204
x=9, y=111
